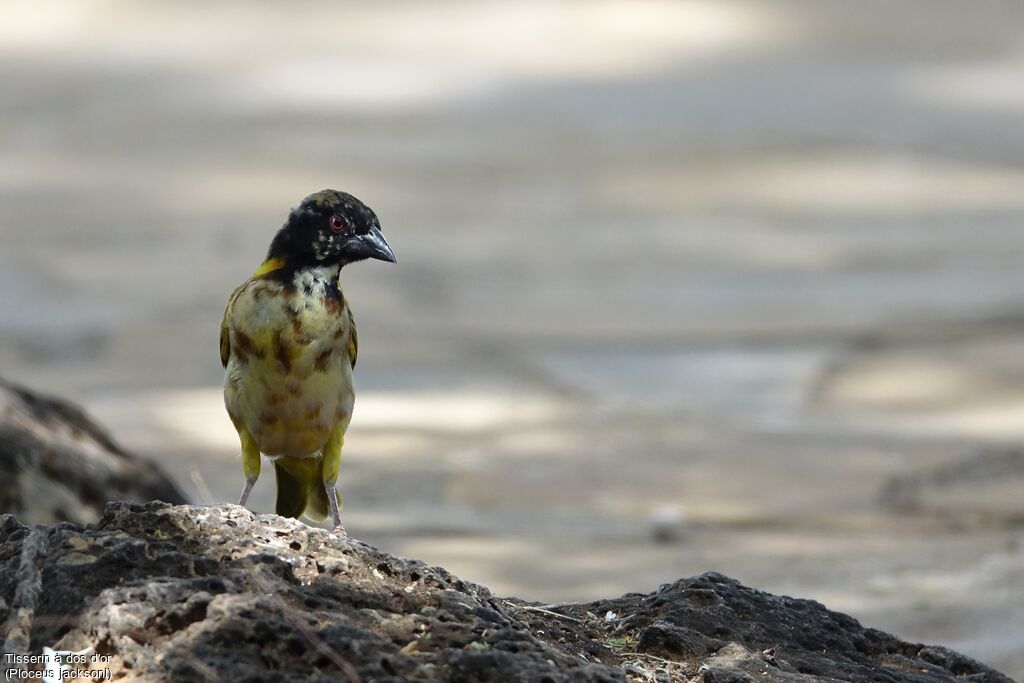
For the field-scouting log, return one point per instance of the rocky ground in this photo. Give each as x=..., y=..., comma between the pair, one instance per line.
x=683, y=285
x=171, y=593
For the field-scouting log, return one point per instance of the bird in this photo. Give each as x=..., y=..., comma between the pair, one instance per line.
x=288, y=345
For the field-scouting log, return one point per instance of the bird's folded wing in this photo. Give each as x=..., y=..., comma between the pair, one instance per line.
x=353, y=339
x=225, y=337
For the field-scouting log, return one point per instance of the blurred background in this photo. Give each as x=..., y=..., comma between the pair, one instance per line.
x=682, y=285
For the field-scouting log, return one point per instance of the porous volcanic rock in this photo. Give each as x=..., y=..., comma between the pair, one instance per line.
x=57, y=464
x=182, y=593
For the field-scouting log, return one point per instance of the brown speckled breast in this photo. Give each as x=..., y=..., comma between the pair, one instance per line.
x=288, y=380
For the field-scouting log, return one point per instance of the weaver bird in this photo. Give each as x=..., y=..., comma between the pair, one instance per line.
x=288, y=345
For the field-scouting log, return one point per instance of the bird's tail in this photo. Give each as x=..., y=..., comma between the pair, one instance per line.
x=300, y=488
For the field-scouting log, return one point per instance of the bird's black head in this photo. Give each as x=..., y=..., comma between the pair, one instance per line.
x=329, y=228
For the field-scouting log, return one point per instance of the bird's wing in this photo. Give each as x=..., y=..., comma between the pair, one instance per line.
x=225, y=337
x=353, y=339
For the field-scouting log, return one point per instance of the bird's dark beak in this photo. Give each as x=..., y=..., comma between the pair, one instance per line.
x=373, y=245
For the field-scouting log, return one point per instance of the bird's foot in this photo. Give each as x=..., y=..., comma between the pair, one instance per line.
x=339, y=531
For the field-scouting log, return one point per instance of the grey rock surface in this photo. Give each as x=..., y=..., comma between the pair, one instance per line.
x=219, y=593
x=60, y=465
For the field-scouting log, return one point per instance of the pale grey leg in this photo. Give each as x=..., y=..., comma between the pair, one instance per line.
x=332, y=498
x=249, y=483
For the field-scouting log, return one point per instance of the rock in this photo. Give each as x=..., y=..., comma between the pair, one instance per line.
x=170, y=593
x=57, y=464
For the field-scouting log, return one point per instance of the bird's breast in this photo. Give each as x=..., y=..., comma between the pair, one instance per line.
x=289, y=378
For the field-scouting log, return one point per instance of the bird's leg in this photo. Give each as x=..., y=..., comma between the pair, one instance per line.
x=332, y=498
x=329, y=468
x=250, y=464
x=246, y=490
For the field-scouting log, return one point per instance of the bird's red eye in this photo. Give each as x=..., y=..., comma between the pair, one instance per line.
x=338, y=223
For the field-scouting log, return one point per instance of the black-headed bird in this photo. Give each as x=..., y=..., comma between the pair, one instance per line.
x=288, y=345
